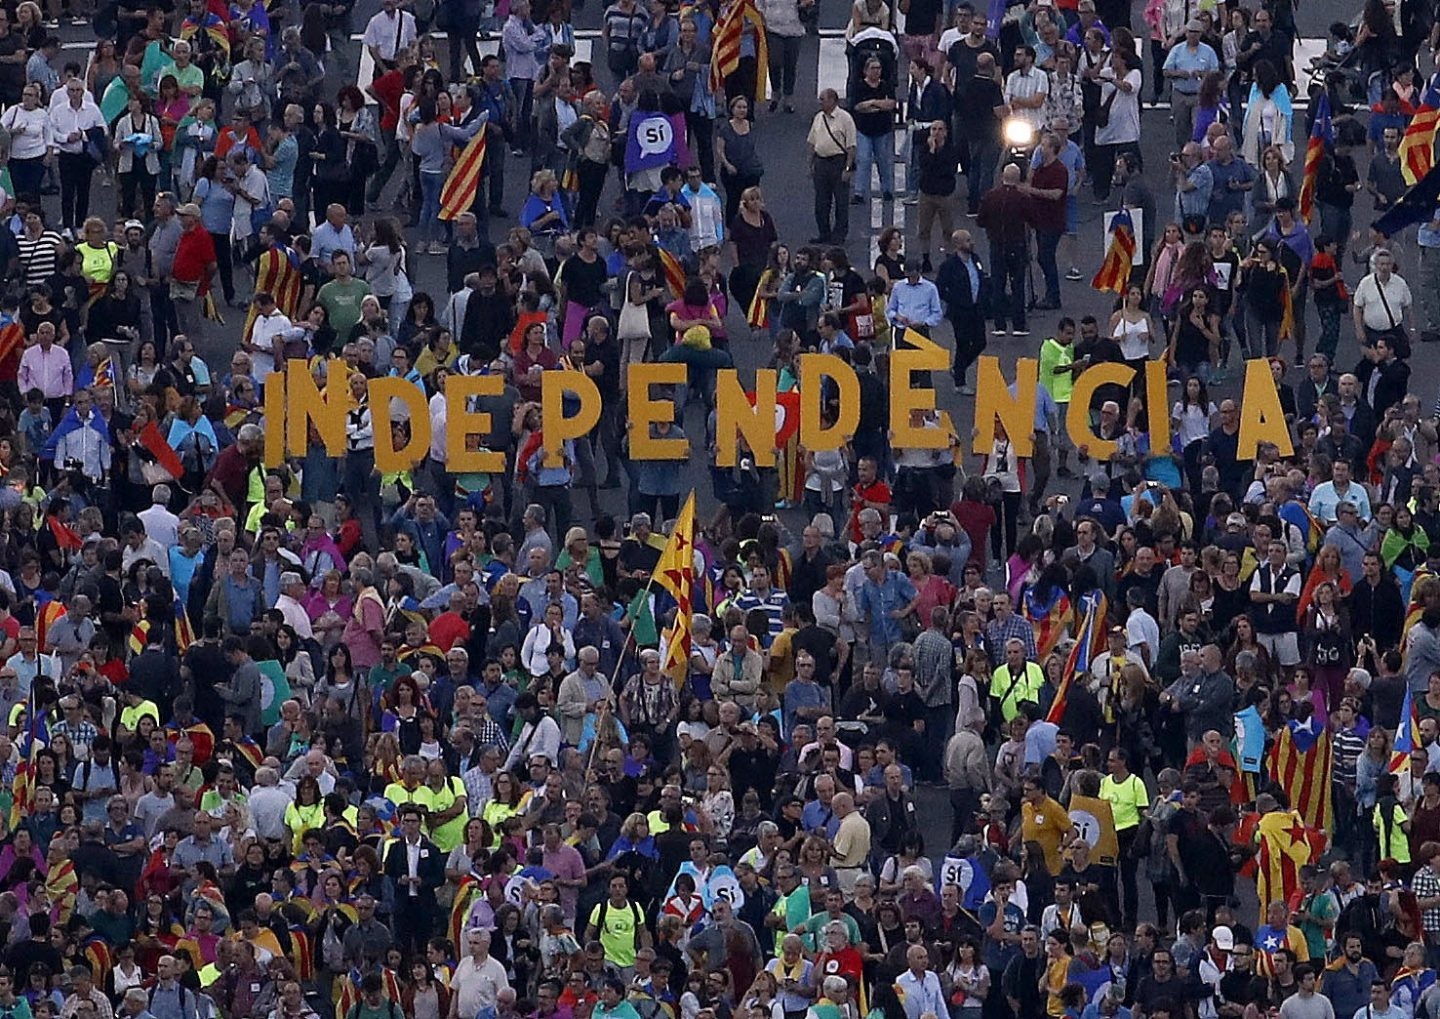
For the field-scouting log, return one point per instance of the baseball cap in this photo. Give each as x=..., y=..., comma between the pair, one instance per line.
x=1224, y=938
x=1235, y=520
x=188, y=209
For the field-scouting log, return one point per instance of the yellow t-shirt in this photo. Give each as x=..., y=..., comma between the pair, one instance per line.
x=1047, y=824
x=617, y=933
x=1127, y=799
x=130, y=716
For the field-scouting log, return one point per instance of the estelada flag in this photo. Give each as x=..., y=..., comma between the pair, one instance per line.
x=675, y=572
x=160, y=449
x=1322, y=137
x=1093, y=608
x=458, y=192
x=1094, y=821
x=1300, y=764
x=1407, y=736
x=1050, y=616
x=1114, y=274
x=1285, y=843
x=1417, y=147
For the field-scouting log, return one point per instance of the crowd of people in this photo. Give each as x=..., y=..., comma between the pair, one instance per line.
x=309, y=739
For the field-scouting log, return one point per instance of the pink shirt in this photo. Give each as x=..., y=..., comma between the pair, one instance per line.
x=48, y=371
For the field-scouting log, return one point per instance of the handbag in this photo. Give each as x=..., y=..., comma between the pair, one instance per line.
x=1102, y=113
x=634, y=321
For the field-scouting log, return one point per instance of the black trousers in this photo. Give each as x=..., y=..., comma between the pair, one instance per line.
x=1011, y=266
x=735, y=185
x=832, y=197
x=462, y=41
x=222, y=259
x=969, y=328
x=75, y=170
x=702, y=136
x=592, y=183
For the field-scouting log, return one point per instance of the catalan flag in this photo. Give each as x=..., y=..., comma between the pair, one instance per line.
x=1050, y=615
x=1114, y=274
x=675, y=572
x=1407, y=735
x=757, y=315
x=1285, y=843
x=674, y=273
x=1417, y=147
x=1092, y=607
x=37, y=736
x=277, y=273
x=12, y=339
x=1322, y=138
x=463, y=184
x=1300, y=764
x=725, y=47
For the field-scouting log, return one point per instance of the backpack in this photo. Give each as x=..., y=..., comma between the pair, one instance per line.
x=634, y=912
x=354, y=1012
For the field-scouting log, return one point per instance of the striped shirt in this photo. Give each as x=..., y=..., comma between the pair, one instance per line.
x=1028, y=85
x=38, y=257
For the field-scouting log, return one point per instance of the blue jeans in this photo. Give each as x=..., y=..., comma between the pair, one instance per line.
x=880, y=151
x=1046, y=244
x=431, y=227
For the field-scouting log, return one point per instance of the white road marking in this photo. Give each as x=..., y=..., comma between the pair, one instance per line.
x=365, y=74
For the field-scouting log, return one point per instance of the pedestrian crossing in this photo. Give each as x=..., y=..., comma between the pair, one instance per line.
x=584, y=49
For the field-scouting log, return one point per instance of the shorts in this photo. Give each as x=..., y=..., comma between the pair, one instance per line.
x=1283, y=648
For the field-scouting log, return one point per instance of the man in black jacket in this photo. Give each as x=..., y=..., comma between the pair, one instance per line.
x=964, y=289
x=414, y=867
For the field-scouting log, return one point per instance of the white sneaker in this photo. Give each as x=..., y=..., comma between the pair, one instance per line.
x=1001, y=332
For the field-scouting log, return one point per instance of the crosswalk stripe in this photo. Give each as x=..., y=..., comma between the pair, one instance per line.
x=365, y=73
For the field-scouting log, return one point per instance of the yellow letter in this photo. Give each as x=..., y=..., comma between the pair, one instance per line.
x=734, y=416
x=274, y=419
x=461, y=423
x=1077, y=418
x=814, y=370
x=904, y=400
x=1155, y=398
x=1261, y=419
x=387, y=457
x=993, y=400
x=304, y=404
x=645, y=411
x=558, y=428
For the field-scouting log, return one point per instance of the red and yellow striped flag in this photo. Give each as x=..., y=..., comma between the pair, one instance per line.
x=725, y=48
x=1417, y=146
x=757, y=316
x=1322, y=137
x=1285, y=844
x=1300, y=764
x=674, y=273
x=1114, y=274
x=675, y=572
x=463, y=183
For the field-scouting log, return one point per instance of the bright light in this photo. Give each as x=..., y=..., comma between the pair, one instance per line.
x=1019, y=133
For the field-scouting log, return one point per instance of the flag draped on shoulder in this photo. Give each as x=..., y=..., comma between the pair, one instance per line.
x=757, y=316
x=725, y=47
x=1285, y=843
x=1300, y=764
x=1114, y=274
x=1049, y=614
x=1322, y=139
x=277, y=273
x=1091, y=610
x=1415, y=206
x=458, y=193
x=1417, y=147
x=675, y=572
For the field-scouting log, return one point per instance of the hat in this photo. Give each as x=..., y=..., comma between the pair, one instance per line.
x=134, y=224
x=1235, y=520
x=1224, y=938
x=1194, y=25
x=188, y=209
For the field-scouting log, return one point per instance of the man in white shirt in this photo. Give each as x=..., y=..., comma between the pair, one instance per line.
x=72, y=114
x=1026, y=88
x=160, y=524
x=139, y=545
x=478, y=978
x=389, y=32
x=292, y=589
x=1142, y=632
x=540, y=736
